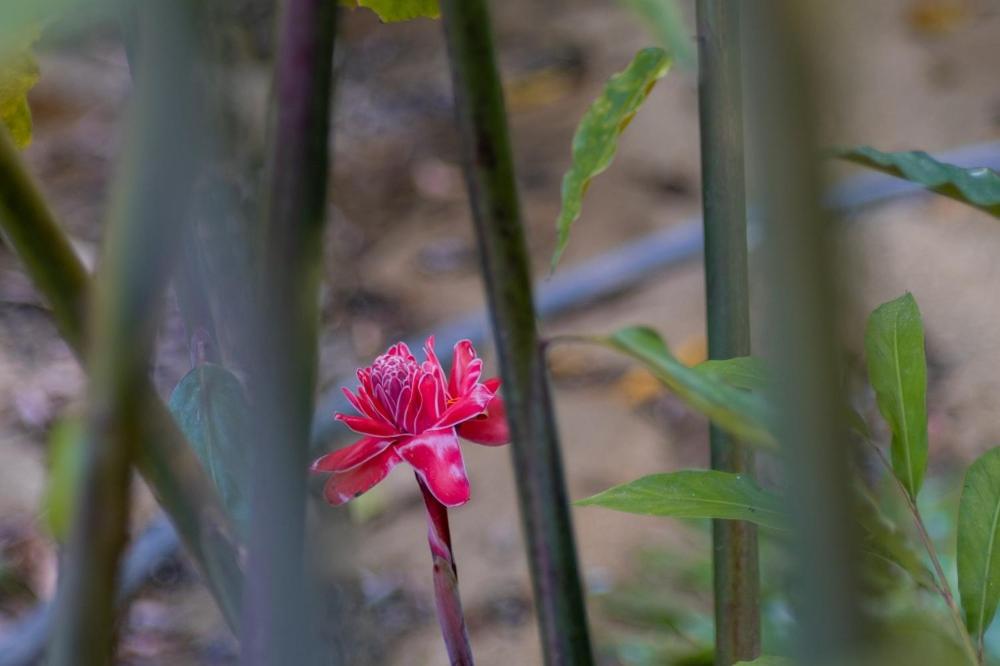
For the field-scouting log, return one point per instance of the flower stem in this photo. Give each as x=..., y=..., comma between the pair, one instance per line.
x=446, y=598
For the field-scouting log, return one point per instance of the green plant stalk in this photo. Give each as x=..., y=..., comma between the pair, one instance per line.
x=277, y=608
x=151, y=189
x=801, y=311
x=941, y=580
x=165, y=459
x=720, y=107
x=537, y=460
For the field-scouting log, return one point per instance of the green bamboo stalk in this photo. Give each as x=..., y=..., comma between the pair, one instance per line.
x=720, y=105
x=277, y=607
x=537, y=461
x=799, y=273
x=151, y=190
x=165, y=458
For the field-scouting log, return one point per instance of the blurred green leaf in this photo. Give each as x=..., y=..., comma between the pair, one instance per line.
x=18, y=74
x=897, y=370
x=884, y=540
x=596, y=138
x=979, y=543
x=211, y=409
x=391, y=11
x=979, y=187
x=694, y=494
x=665, y=22
x=65, y=462
x=739, y=412
x=743, y=372
x=766, y=661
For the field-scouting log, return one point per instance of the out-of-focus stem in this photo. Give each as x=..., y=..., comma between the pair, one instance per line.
x=545, y=513
x=800, y=272
x=164, y=457
x=277, y=608
x=720, y=105
x=145, y=222
x=446, y=597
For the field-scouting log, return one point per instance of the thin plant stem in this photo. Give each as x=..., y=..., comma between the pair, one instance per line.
x=542, y=495
x=446, y=597
x=165, y=459
x=941, y=580
x=735, y=553
x=284, y=343
x=151, y=190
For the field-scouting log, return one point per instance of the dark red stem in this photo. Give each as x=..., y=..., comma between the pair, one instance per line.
x=446, y=599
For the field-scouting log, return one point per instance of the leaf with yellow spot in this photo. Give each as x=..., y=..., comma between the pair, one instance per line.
x=18, y=74
x=391, y=11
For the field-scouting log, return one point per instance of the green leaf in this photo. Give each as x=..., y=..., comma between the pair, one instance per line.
x=596, y=138
x=979, y=543
x=391, y=11
x=739, y=412
x=665, y=22
x=897, y=370
x=65, y=463
x=766, y=661
x=211, y=409
x=743, y=372
x=979, y=187
x=694, y=494
x=18, y=74
x=884, y=540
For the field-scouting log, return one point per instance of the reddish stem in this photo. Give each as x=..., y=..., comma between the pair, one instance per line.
x=449, y=605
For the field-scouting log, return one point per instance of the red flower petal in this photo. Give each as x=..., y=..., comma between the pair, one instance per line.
x=342, y=487
x=349, y=457
x=366, y=426
x=467, y=407
x=432, y=401
x=438, y=461
x=489, y=428
x=465, y=369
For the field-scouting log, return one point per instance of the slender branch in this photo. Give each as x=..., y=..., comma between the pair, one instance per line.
x=165, y=459
x=941, y=580
x=720, y=105
x=282, y=382
x=506, y=272
x=151, y=190
x=446, y=597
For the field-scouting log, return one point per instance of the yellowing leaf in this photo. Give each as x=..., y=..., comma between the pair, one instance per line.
x=390, y=11
x=18, y=74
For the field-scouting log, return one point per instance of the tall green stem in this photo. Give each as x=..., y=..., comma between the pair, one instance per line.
x=165, y=459
x=720, y=105
x=277, y=607
x=151, y=191
x=800, y=271
x=506, y=272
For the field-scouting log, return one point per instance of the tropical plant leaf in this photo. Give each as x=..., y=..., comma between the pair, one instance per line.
x=702, y=493
x=739, y=412
x=18, y=74
x=391, y=11
x=897, y=370
x=210, y=406
x=979, y=187
x=979, y=543
x=665, y=22
x=596, y=138
x=65, y=464
x=743, y=372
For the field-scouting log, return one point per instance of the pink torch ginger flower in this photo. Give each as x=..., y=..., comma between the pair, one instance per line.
x=411, y=411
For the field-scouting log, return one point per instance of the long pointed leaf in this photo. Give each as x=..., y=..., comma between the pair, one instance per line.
x=694, y=494
x=979, y=543
x=739, y=412
x=596, y=138
x=897, y=369
x=978, y=187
